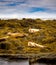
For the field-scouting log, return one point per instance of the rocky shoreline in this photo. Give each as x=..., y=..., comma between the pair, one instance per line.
x=32, y=58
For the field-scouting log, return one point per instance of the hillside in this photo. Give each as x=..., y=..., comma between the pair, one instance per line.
x=19, y=44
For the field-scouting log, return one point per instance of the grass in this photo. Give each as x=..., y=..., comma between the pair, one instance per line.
x=46, y=37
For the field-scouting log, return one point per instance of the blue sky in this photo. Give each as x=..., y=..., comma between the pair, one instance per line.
x=28, y=9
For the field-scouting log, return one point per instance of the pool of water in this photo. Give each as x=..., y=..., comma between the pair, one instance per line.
x=44, y=61
x=43, y=64
x=19, y=62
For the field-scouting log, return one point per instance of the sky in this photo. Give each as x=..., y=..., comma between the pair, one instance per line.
x=28, y=9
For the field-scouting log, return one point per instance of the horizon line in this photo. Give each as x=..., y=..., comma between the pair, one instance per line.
x=28, y=18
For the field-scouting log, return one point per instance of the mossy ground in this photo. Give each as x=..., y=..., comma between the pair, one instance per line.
x=46, y=36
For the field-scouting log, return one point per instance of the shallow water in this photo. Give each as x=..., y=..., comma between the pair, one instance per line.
x=43, y=64
x=19, y=62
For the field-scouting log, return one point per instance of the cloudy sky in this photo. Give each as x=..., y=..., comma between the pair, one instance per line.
x=28, y=9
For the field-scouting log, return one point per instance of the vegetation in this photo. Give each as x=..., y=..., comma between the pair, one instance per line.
x=46, y=36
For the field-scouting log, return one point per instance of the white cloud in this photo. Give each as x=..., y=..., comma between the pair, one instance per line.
x=22, y=10
x=31, y=3
x=42, y=15
x=42, y=3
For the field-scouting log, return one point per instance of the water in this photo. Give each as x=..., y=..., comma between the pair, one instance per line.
x=43, y=64
x=19, y=62
x=44, y=61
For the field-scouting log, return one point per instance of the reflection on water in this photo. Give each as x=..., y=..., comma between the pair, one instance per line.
x=39, y=64
x=43, y=64
x=44, y=61
x=19, y=62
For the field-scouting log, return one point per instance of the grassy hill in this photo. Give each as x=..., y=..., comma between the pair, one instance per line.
x=19, y=45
